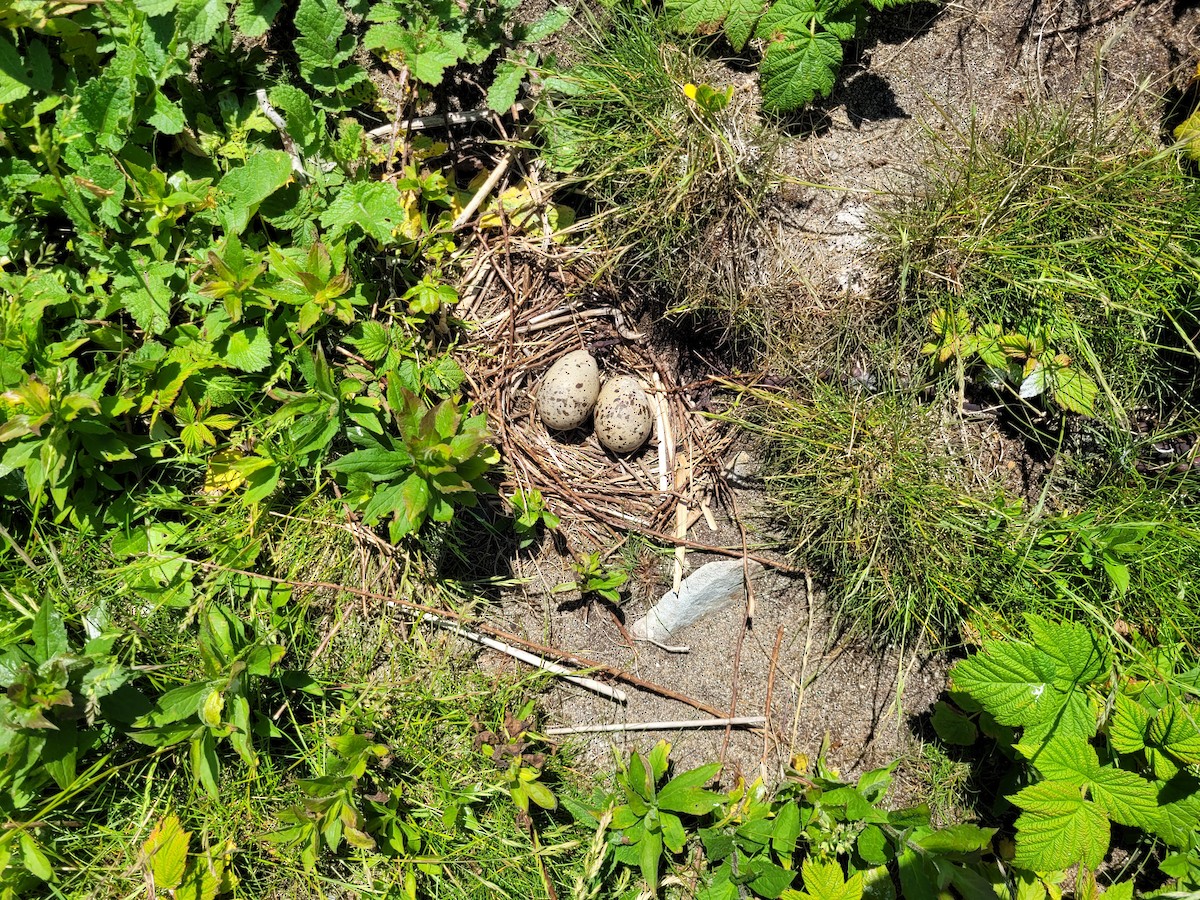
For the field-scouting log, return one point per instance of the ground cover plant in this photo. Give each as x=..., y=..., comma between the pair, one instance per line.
x=802, y=39
x=674, y=168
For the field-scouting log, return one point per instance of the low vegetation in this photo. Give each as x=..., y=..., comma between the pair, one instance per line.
x=230, y=394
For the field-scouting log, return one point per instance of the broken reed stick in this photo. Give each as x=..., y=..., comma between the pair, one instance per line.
x=738, y=722
x=524, y=656
x=485, y=190
x=421, y=123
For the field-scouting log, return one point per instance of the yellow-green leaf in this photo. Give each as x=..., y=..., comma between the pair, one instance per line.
x=164, y=854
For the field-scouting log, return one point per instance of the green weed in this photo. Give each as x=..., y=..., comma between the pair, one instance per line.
x=674, y=169
x=1066, y=225
x=865, y=487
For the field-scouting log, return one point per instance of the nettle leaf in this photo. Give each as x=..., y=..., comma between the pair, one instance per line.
x=265, y=172
x=322, y=47
x=198, y=20
x=373, y=206
x=106, y=102
x=15, y=80
x=503, y=92
x=427, y=52
x=1058, y=828
x=254, y=17
x=550, y=23
x=798, y=68
x=248, y=349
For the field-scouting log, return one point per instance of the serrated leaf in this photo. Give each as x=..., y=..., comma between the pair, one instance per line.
x=827, y=881
x=1012, y=681
x=550, y=23
x=1125, y=797
x=1063, y=758
x=507, y=82
x=373, y=342
x=1128, y=726
x=373, y=206
x=1058, y=828
x=166, y=116
x=319, y=43
x=1075, y=392
x=1176, y=730
x=736, y=16
x=265, y=172
x=106, y=102
x=797, y=69
x=1082, y=654
x=248, y=349
x=197, y=21
x=164, y=853
x=254, y=17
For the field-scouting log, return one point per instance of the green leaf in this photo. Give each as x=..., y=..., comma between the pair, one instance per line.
x=15, y=80
x=166, y=116
x=265, y=172
x=767, y=879
x=106, y=102
x=507, y=82
x=550, y=23
x=1058, y=828
x=958, y=839
x=49, y=634
x=35, y=860
x=1128, y=726
x=1067, y=758
x=197, y=21
x=1176, y=730
x=737, y=17
x=872, y=845
x=650, y=852
x=952, y=726
x=1082, y=655
x=826, y=881
x=248, y=349
x=1125, y=797
x=372, y=206
x=798, y=68
x=165, y=853
x=786, y=830
x=1075, y=392
x=254, y=17
x=319, y=42
x=204, y=763
x=377, y=464
x=682, y=793
x=1012, y=681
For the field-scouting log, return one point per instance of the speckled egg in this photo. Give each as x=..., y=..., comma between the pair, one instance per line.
x=624, y=417
x=569, y=391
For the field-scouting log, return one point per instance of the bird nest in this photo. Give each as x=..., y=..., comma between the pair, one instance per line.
x=529, y=311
